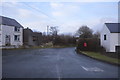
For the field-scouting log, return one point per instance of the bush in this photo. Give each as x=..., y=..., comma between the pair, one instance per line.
x=93, y=44
x=64, y=40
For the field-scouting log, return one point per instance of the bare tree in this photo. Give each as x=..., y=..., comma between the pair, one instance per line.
x=54, y=30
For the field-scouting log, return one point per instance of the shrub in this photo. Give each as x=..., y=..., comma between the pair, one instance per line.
x=64, y=40
x=93, y=44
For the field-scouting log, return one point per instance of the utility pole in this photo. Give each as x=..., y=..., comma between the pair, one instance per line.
x=47, y=29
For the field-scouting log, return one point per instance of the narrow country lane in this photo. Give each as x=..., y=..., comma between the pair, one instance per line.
x=54, y=63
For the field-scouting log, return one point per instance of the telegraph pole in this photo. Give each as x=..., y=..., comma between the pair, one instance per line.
x=47, y=29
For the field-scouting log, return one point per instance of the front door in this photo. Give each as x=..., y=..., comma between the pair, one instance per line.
x=118, y=49
x=7, y=40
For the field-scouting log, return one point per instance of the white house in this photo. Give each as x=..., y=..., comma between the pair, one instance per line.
x=110, y=37
x=11, y=32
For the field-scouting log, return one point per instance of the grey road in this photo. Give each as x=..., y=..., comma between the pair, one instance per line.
x=54, y=63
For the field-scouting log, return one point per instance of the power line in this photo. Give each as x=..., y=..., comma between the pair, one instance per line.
x=36, y=9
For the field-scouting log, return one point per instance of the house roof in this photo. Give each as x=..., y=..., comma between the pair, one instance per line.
x=113, y=27
x=9, y=22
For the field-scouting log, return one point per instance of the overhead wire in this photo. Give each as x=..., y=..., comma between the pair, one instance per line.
x=38, y=10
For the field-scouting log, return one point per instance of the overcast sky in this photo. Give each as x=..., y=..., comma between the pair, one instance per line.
x=69, y=16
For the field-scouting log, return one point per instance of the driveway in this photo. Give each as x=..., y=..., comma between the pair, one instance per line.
x=54, y=63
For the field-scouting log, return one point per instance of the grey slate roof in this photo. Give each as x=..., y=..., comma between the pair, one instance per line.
x=113, y=27
x=9, y=22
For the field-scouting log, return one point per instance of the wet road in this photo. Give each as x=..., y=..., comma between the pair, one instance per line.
x=54, y=63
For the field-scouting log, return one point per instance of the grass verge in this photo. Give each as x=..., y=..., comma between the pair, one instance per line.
x=98, y=56
x=37, y=47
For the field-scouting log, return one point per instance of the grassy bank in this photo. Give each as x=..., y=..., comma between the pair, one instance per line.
x=100, y=57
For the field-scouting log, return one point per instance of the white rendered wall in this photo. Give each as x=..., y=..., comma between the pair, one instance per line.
x=114, y=41
x=21, y=37
x=105, y=43
x=9, y=30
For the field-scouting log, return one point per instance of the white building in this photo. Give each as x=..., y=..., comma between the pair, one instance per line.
x=11, y=32
x=110, y=37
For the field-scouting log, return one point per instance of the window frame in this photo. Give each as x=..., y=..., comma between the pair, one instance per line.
x=17, y=29
x=16, y=37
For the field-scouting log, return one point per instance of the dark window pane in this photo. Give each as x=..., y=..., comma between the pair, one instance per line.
x=15, y=28
x=15, y=37
x=104, y=37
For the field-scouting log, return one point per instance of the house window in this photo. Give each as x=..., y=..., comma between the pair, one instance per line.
x=17, y=37
x=17, y=29
x=34, y=38
x=105, y=37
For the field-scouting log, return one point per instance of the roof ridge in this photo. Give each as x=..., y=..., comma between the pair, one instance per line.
x=9, y=21
x=113, y=27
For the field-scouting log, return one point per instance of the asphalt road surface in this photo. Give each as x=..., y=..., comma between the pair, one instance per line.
x=53, y=63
